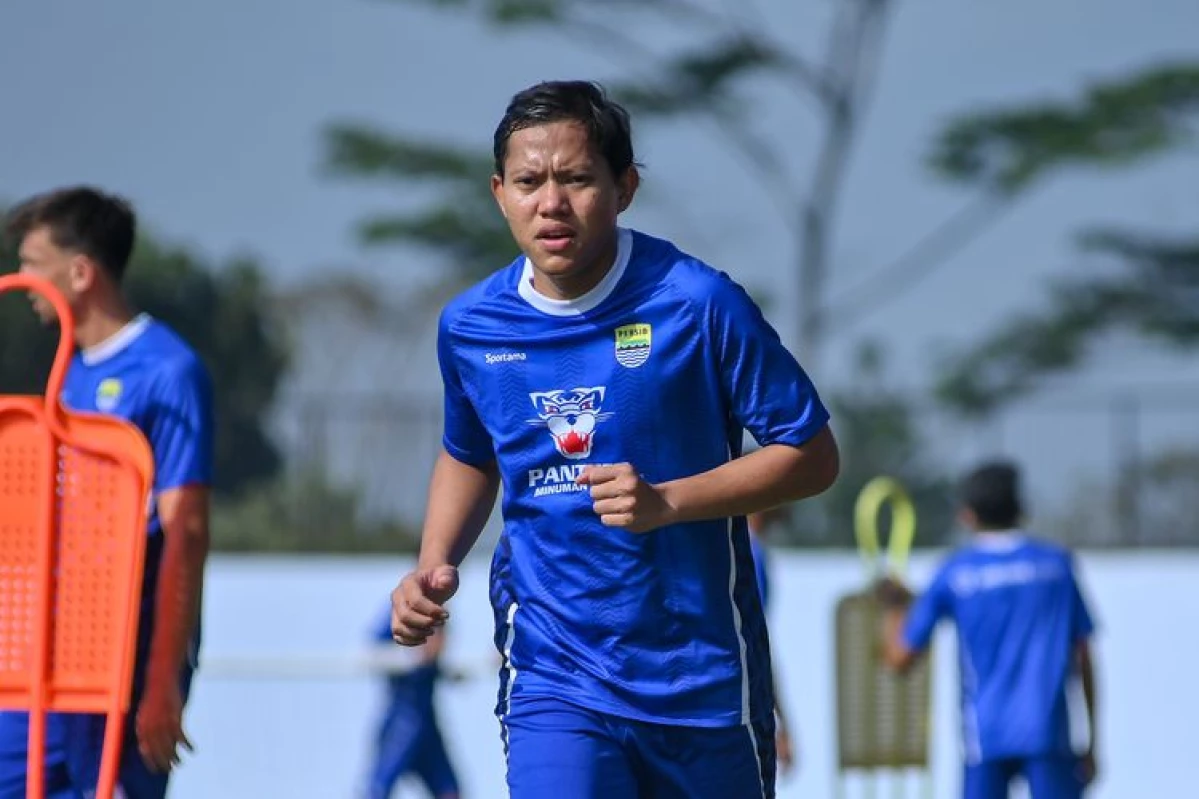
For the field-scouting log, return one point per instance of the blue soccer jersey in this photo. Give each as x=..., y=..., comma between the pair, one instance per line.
x=1019, y=614
x=147, y=375
x=662, y=365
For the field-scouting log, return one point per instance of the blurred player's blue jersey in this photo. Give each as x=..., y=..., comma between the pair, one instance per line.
x=414, y=688
x=147, y=375
x=151, y=377
x=1019, y=615
x=761, y=569
x=662, y=365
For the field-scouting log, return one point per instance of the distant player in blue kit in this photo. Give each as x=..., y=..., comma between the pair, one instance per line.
x=759, y=529
x=1023, y=630
x=131, y=366
x=409, y=739
x=605, y=379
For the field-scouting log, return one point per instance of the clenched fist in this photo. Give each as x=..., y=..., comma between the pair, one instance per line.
x=417, y=604
x=621, y=498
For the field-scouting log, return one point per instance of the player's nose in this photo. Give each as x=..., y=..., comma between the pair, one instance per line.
x=554, y=199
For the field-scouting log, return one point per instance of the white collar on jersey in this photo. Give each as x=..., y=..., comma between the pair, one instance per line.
x=118, y=341
x=998, y=540
x=579, y=305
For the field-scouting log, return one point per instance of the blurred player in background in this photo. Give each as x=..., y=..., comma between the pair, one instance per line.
x=409, y=740
x=135, y=367
x=1023, y=631
x=605, y=378
x=760, y=524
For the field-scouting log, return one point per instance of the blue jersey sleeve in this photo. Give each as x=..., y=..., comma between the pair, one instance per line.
x=929, y=608
x=181, y=427
x=464, y=436
x=768, y=392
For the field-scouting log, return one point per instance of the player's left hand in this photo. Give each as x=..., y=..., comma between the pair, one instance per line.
x=621, y=498
x=159, y=727
x=1088, y=769
x=784, y=751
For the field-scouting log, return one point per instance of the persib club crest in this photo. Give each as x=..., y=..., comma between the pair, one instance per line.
x=571, y=416
x=108, y=394
x=633, y=344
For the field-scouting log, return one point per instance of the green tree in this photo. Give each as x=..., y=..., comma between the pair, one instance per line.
x=304, y=512
x=224, y=311
x=1141, y=282
x=728, y=56
x=879, y=433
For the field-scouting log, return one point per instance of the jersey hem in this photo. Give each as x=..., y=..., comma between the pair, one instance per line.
x=621, y=710
x=462, y=456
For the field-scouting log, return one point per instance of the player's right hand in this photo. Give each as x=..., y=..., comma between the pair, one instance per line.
x=891, y=593
x=417, y=603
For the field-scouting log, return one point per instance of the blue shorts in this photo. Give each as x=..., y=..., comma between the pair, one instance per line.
x=1047, y=778
x=410, y=742
x=74, y=744
x=556, y=749
x=14, y=748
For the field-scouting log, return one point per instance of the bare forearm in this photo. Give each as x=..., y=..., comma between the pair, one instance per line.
x=1087, y=675
x=177, y=600
x=779, y=713
x=461, y=497
x=764, y=479
x=895, y=652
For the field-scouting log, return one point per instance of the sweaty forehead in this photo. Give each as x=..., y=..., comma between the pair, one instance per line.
x=555, y=144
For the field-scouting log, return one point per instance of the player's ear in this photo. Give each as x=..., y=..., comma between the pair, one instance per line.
x=497, y=191
x=627, y=187
x=968, y=519
x=81, y=273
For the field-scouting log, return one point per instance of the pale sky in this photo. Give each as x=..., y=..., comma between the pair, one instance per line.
x=209, y=116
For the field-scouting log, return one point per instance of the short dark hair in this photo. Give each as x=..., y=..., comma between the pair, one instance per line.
x=584, y=102
x=992, y=493
x=81, y=218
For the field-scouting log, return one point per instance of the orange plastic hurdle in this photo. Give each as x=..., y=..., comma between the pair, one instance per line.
x=74, y=494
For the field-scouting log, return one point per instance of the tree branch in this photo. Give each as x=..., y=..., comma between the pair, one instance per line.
x=933, y=250
x=811, y=80
x=856, y=31
x=758, y=155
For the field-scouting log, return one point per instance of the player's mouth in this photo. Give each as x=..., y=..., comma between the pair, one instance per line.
x=556, y=239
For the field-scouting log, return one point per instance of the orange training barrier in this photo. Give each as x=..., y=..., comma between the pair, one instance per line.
x=74, y=500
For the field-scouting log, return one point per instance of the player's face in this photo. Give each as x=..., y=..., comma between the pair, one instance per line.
x=561, y=201
x=67, y=271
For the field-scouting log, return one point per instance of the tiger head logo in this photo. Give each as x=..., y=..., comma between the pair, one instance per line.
x=571, y=416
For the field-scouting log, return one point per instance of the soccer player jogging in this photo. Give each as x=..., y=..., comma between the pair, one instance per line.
x=135, y=367
x=1023, y=630
x=605, y=379
x=409, y=740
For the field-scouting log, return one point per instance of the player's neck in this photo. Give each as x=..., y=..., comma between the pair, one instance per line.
x=101, y=321
x=571, y=287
